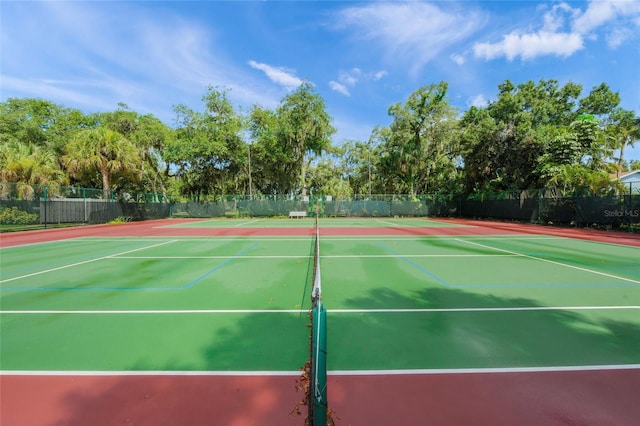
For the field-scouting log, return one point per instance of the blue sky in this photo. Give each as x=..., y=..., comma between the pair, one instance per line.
x=362, y=57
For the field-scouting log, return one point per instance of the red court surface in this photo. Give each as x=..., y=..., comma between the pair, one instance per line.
x=551, y=398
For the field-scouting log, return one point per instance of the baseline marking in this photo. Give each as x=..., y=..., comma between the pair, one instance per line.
x=577, y=368
x=157, y=311
x=485, y=370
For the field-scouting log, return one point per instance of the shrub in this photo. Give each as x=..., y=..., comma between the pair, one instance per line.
x=14, y=216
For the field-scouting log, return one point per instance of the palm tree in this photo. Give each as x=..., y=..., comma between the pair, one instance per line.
x=105, y=151
x=28, y=165
x=625, y=130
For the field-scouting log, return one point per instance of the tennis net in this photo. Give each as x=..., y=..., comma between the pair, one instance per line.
x=318, y=405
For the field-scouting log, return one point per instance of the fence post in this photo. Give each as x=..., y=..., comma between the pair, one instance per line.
x=45, y=206
x=540, y=192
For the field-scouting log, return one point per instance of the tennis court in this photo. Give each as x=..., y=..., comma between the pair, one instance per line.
x=428, y=322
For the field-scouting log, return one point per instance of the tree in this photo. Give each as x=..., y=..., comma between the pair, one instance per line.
x=304, y=127
x=40, y=123
x=208, y=151
x=31, y=164
x=272, y=168
x=329, y=177
x=105, y=152
x=505, y=143
x=422, y=146
x=360, y=163
x=624, y=130
x=285, y=140
x=600, y=101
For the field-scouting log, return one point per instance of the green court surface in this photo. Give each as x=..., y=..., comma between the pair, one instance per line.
x=394, y=303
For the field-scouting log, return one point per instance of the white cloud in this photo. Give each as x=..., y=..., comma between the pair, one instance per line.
x=282, y=76
x=597, y=13
x=618, y=36
x=564, y=31
x=54, y=89
x=352, y=77
x=340, y=88
x=379, y=74
x=412, y=32
x=458, y=59
x=555, y=19
x=478, y=101
x=529, y=46
x=92, y=60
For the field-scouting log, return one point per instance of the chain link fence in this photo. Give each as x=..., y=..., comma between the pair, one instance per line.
x=24, y=206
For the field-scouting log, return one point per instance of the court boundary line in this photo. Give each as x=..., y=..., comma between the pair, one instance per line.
x=566, y=265
x=387, y=372
x=335, y=311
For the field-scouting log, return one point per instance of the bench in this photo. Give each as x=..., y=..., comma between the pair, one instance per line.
x=297, y=214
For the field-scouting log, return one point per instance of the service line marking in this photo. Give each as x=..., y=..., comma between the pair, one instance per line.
x=336, y=311
x=84, y=262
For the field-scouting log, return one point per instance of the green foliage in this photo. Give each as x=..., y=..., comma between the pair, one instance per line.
x=422, y=145
x=600, y=101
x=534, y=134
x=104, y=152
x=285, y=141
x=15, y=216
x=120, y=220
x=537, y=135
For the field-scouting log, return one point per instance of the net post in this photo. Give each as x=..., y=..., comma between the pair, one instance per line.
x=318, y=390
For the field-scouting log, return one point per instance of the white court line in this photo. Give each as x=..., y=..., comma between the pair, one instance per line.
x=168, y=312
x=217, y=257
x=338, y=311
x=207, y=239
x=507, y=309
x=554, y=262
x=421, y=238
x=247, y=223
x=484, y=370
x=398, y=372
x=395, y=225
x=146, y=373
x=330, y=256
x=395, y=256
x=83, y=262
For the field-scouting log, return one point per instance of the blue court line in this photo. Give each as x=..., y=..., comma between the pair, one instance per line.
x=184, y=287
x=415, y=265
x=222, y=265
x=507, y=285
